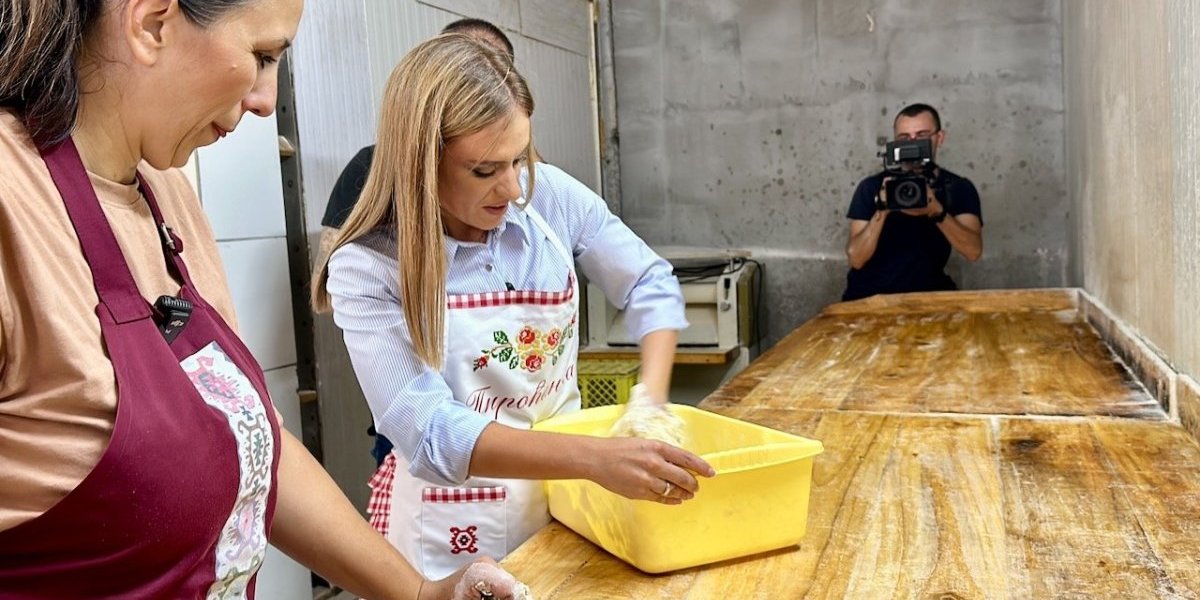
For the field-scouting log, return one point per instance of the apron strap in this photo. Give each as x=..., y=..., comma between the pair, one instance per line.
x=551, y=235
x=558, y=244
x=171, y=243
x=115, y=286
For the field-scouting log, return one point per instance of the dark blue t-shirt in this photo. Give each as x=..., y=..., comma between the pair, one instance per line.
x=912, y=252
x=348, y=188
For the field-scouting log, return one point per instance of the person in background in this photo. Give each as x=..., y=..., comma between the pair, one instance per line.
x=350, y=182
x=897, y=251
x=349, y=185
x=140, y=454
x=453, y=281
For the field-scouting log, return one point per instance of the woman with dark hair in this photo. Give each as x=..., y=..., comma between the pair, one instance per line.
x=139, y=451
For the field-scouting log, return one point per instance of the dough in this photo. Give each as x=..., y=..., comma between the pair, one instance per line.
x=647, y=419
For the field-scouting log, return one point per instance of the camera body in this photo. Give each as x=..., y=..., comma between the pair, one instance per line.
x=910, y=173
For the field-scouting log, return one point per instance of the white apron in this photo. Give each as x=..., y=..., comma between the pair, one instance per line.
x=511, y=356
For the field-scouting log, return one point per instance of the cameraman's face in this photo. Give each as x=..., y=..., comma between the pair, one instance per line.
x=919, y=127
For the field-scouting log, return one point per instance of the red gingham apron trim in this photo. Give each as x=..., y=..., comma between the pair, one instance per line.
x=440, y=495
x=537, y=298
x=380, y=504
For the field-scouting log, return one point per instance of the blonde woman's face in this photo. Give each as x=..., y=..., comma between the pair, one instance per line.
x=478, y=177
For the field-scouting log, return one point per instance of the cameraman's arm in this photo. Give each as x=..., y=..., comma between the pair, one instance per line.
x=866, y=216
x=964, y=228
x=965, y=234
x=864, y=237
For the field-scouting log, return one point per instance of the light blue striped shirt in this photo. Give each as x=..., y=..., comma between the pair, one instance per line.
x=412, y=404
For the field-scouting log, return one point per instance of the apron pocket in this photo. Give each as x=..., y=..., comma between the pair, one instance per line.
x=459, y=525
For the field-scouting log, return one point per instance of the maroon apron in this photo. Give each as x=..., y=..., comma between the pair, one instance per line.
x=181, y=501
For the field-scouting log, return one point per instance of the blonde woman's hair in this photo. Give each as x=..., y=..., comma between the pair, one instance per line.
x=445, y=88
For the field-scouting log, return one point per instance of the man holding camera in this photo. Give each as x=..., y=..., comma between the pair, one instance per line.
x=901, y=243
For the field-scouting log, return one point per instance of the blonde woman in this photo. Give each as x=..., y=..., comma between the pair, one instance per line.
x=458, y=301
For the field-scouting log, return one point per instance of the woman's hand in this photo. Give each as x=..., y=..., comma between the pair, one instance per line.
x=648, y=470
x=483, y=579
x=649, y=418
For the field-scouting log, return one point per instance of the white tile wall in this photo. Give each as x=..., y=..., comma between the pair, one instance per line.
x=258, y=280
x=393, y=28
x=553, y=52
x=282, y=578
x=282, y=385
x=505, y=13
x=564, y=118
x=563, y=23
x=334, y=108
x=240, y=182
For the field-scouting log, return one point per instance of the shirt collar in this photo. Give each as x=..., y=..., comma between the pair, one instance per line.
x=515, y=222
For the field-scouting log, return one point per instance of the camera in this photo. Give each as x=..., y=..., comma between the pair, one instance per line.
x=909, y=166
x=906, y=191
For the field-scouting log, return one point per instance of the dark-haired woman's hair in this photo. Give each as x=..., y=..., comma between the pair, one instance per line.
x=40, y=41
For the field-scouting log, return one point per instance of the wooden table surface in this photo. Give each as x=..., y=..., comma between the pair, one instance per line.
x=977, y=445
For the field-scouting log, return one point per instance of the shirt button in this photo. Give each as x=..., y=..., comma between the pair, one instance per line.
x=489, y=268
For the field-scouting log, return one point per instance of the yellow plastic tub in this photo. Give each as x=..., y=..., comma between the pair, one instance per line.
x=758, y=501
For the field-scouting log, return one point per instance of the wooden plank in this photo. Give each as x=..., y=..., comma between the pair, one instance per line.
x=1040, y=300
x=1026, y=362
x=903, y=511
x=683, y=355
x=917, y=496
x=1104, y=509
x=1154, y=468
x=941, y=507
x=884, y=518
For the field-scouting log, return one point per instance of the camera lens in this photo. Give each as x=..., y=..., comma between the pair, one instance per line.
x=908, y=194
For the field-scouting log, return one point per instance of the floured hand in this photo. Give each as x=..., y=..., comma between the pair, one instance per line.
x=485, y=580
x=649, y=419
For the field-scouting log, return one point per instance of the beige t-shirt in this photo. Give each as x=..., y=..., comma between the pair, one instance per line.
x=57, y=389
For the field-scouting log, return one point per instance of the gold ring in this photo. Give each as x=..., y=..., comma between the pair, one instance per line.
x=667, y=491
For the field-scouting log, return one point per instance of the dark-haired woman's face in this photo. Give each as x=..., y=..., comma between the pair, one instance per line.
x=211, y=76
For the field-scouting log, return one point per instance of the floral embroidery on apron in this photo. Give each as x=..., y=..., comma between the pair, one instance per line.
x=531, y=350
x=510, y=356
x=243, y=540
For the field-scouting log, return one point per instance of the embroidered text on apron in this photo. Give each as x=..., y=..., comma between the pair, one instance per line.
x=511, y=356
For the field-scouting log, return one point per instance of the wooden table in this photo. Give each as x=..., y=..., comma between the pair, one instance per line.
x=977, y=445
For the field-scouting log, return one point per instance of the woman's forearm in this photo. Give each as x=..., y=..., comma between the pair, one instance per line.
x=658, y=357
x=318, y=527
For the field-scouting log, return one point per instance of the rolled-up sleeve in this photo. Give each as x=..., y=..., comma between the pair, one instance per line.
x=633, y=277
x=411, y=403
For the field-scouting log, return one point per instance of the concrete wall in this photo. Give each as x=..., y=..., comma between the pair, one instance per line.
x=748, y=123
x=1133, y=144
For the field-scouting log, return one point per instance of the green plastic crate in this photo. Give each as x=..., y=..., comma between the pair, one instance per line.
x=603, y=382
